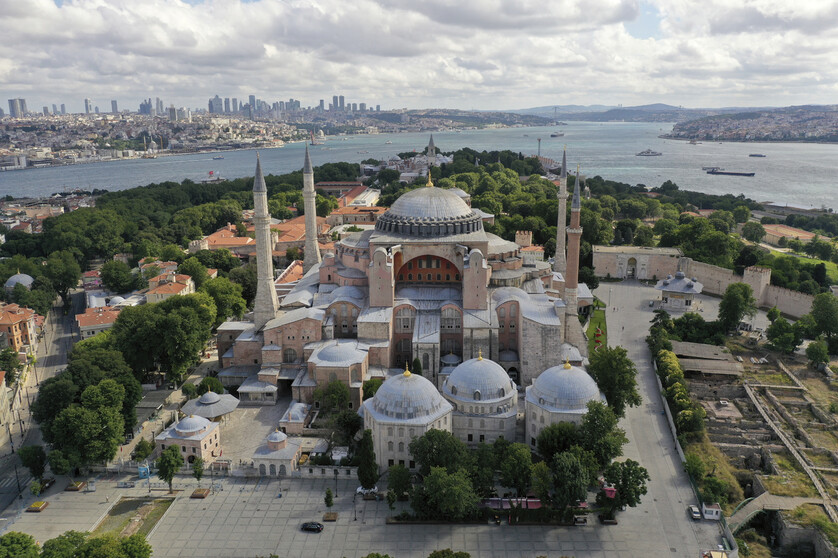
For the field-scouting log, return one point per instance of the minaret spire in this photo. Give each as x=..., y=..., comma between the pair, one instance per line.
x=265, y=304
x=560, y=260
x=573, y=332
x=431, y=153
x=312, y=250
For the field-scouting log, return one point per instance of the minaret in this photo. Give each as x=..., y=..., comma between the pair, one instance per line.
x=560, y=262
x=312, y=251
x=571, y=277
x=431, y=153
x=265, y=305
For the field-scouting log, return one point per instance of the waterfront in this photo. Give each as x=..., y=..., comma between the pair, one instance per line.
x=795, y=173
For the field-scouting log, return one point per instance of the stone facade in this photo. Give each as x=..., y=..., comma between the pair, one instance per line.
x=640, y=262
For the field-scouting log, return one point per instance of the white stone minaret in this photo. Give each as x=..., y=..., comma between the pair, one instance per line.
x=266, y=304
x=312, y=250
x=560, y=261
x=431, y=153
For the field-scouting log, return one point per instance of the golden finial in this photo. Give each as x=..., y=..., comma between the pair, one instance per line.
x=479, y=354
x=567, y=364
x=430, y=182
x=406, y=370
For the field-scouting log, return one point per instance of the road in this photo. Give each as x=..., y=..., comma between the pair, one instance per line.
x=52, y=358
x=650, y=441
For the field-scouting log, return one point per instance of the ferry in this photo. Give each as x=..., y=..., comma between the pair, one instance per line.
x=557, y=134
x=756, y=155
x=648, y=153
x=218, y=157
x=388, y=142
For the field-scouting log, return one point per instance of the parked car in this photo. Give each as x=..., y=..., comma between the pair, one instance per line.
x=366, y=491
x=312, y=527
x=46, y=483
x=694, y=512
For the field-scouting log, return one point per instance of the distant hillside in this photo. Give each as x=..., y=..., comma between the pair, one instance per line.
x=656, y=112
x=481, y=118
x=802, y=123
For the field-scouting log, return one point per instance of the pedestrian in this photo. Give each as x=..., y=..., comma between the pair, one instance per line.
x=107, y=499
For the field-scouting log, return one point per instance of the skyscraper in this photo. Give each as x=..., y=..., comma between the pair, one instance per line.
x=15, y=108
x=158, y=105
x=145, y=107
x=235, y=105
x=88, y=106
x=46, y=110
x=63, y=108
x=322, y=105
x=227, y=105
x=334, y=102
x=216, y=105
x=340, y=103
x=354, y=107
x=252, y=102
x=114, y=108
x=362, y=107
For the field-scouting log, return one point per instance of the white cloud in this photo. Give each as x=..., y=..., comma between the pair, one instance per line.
x=489, y=54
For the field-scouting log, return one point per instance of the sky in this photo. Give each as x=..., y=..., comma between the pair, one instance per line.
x=466, y=54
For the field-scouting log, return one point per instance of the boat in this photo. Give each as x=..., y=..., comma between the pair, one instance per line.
x=693, y=142
x=388, y=142
x=756, y=155
x=730, y=173
x=556, y=134
x=213, y=178
x=362, y=152
x=313, y=141
x=218, y=157
x=148, y=156
x=648, y=153
x=712, y=168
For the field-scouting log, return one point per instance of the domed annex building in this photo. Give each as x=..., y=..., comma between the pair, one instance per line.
x=404, y=407
x=427, y=283
x=559, y=394
x=195, y=436
x=485, y=401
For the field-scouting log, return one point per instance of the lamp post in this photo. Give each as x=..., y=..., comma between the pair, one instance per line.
x=11, y=440
x=355, y=507
x=336, y=483
x=17, y=478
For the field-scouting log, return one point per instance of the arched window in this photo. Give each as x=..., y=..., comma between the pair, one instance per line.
x=389, y=446
x=332, y=377
x=501, y=312
x=389, y=430
x=289, y=355
x=501, y=393
x=401, y=446
x=405, y=319
x=426, y=362
x=453, y=390
x=451, y=319
x=477, y=395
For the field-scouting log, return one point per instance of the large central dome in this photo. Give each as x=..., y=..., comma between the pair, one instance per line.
x=429, y=212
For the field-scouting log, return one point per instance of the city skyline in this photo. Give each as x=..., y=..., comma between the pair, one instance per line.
x=510, y=55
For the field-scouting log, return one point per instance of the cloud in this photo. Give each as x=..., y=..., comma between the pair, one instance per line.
x=490, y=54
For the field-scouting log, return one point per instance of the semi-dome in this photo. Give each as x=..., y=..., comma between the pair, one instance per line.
x=191, y=425
x=478, y=379
x=409, y=398
x=429, y=212
x=564, y=388
x=19, y=278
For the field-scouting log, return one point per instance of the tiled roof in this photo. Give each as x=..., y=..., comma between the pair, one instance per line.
x=168, y=288
x=97, y=316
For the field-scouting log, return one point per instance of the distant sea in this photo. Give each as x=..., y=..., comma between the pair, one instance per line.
x=801, y=174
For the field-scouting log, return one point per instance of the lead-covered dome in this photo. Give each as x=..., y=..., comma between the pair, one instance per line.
x=19, y=278
x=409, y=398
x=191, y=425
x=429, y=212
x=478, y=379
x=564, y=388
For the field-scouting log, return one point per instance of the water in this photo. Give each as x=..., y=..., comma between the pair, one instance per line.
x=795, y=173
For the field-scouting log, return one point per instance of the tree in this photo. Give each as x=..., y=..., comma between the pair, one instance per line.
x=229, y=302
x=616, y=376
x=91, y=432
x=399, y=481
x=60, y=463
x=629, y=480
x=516, y=469
x=817, y=353
x=753, y=231
x=825, y=314
x=367, y=467
x=10, y=362
x=741, y=213
x=329, y=500
x=195, y=269
x=644, y=236
x=143, y=449
x=371, y=386
x=783, y=336
x=333, y=397
x=64, y=272
x=737, y=302
x=417, y=366
x=117, y=277
x=347, y=422
x=189, y=390
x=210, y=383
x=437, y=448
x=569, y=480
x=556, y=438
x=772, y=314
x=694, y=466
x=168, y=464
x=245, y=276
x=599, y=433
x=542, y=481
x=64, y=545
x=18, y=545
x=448, y=553
x=33, y=458
x=444, y=495
x=198, y=469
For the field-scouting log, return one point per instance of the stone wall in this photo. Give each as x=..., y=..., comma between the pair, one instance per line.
x=800, y=541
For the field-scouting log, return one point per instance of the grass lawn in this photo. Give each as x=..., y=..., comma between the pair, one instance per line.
x=791, y=482
x=133, y=515
x=812, y=515
x=831, y=267
x=597, y=321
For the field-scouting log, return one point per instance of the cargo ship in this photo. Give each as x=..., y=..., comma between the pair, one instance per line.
x=730, y=173
x=648, y=153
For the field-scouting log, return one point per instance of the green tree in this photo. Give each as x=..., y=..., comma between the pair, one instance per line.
x=210, y=383
x=616, y=376
x=64, y=545
x=189, y=390
x=61, y=464
x=10, y=362
x=64, y=272
x=694, y=466
x=399, y=481
x=18, y=545
x=772, y=314
x=599, y=433
x=437, y=448
x=91, y=432
x=569, y=480
x=334, y=396
x=143, y=449
x=817, y=353
x=168, y=465
x=346, y=423
x=737, y=302
x=117, y=277
x=753, y=231
x=629, y=480
x=229, y=302
x=448, y=553
x=245, y=276
x=741, y=213
x=783, y=336
x=371, y=386
x=516, y=469
x=825, y=314
x=34, y=458
x=417, y=366
x=644, y=236
x=444, y=495
x=198, y=469
x=556, y=438
x=195, y=269
x=367, y=467
x=542, y=481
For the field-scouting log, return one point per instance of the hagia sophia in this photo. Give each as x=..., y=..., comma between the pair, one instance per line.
x=427, y=283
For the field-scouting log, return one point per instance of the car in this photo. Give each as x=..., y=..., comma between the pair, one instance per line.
x=694, y=512
x=312, y=527
x=46, y=483
x=366, y=491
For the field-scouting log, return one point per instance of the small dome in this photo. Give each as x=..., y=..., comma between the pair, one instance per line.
x=209, y=398
x=22, y=278
x=191, y=425
x=478, y=379
x=564, y=388
x=407, y=397
x=277, y=436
